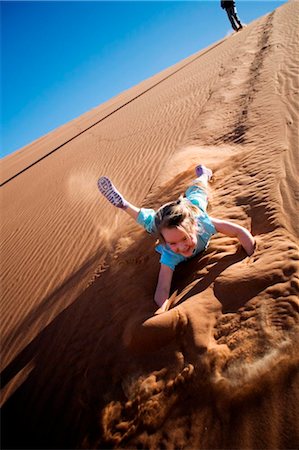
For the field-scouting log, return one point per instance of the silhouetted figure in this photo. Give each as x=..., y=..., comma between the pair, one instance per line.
x=230, y=8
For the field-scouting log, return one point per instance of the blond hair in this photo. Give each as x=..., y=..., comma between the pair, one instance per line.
x=179, y=214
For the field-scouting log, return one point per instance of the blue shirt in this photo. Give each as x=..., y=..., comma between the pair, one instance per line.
x=206, y=229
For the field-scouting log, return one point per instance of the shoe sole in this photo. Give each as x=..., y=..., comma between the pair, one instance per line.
x=109, y=192
x=200, y=171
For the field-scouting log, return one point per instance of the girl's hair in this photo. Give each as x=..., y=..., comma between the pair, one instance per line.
x=178, y=214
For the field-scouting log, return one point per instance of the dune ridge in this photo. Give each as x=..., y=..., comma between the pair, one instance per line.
x=85, y=362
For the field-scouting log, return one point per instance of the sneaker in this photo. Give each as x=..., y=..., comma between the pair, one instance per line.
x=203, y=170
x=111, y=193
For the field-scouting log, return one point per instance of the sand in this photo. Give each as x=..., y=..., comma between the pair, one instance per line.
x=85, y=362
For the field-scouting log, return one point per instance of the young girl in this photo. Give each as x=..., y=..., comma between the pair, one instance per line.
x=183, y=227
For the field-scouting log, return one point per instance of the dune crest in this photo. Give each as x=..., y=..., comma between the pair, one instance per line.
x=85, y=362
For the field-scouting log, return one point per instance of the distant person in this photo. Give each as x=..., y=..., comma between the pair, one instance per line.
x=183, y=227
x=231, y=11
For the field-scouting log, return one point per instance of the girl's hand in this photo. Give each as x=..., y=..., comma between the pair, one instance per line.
x=163, y=308
x=233, y=230
x=163, y=285
x=167, y=304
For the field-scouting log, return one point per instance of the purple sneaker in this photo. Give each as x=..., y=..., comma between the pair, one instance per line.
x=203, y=170
x=111, y=193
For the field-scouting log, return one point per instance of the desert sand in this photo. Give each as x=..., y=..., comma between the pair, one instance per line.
x=85, y=362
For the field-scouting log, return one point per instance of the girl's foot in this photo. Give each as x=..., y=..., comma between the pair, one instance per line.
x=203, y=170
x=111, y=193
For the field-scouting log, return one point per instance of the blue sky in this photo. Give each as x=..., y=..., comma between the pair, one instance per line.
x=61, y=59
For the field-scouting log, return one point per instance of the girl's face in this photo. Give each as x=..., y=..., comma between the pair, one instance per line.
x=180, y=241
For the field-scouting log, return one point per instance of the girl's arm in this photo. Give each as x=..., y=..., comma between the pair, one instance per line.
x=233, y=230
x=163, y=285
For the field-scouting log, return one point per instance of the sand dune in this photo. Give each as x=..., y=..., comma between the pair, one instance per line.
x=85, y=362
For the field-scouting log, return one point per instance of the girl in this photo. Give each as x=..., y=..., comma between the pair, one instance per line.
x=182, y=226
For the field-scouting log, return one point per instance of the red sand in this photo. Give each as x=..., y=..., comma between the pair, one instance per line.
x=85, y=363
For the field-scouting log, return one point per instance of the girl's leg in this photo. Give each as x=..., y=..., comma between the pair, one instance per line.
x=132, y=211
x=109, y=191
x=203, y=175
x=198, y=192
